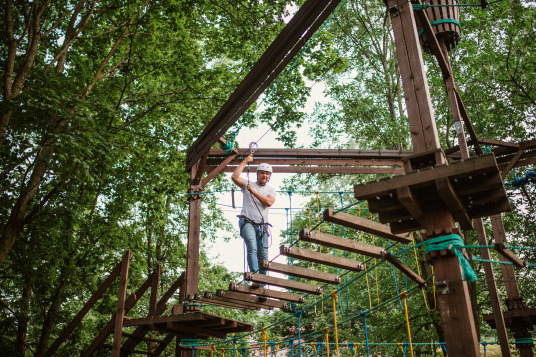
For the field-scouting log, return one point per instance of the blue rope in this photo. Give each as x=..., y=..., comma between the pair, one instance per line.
x=298, y=314
x=405, y=348
x=530, y=176
x=364, y=314
x=455, y=242
x=243, y=352
x=290, y=342
x=193, y=350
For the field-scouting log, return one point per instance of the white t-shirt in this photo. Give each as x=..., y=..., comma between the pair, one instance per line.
x=249, y=209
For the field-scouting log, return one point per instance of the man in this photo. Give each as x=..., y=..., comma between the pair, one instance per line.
x=253, y=219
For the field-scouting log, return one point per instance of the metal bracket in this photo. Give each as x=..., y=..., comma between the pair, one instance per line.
x=442, y=287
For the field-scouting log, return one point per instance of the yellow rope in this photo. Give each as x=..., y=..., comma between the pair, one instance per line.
x=401, y=346
x=223, y=352
x=403, y=296
x=356, y=345
x=334, y=298
x=277, y=345
x=212, y=350
x=326, y=330
x=264, y=338
x=314, y=347
x=419, y=272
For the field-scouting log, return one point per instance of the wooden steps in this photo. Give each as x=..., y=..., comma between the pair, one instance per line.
x=321, y=258
x=275, y=294
x=283, y=283
x=301, y=272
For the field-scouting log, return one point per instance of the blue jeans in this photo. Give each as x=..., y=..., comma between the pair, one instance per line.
x=256, y=243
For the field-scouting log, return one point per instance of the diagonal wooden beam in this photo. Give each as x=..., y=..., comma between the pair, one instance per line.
x=279, y=54
x=512, y=162
x=218, y=169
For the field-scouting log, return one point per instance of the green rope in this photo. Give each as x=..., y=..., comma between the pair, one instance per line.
x=229, y=146
x=454, y=242
x=524, y=340
x=443, y=21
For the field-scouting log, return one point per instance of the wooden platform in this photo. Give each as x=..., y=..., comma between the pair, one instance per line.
x=196, y=324
x=468, y=188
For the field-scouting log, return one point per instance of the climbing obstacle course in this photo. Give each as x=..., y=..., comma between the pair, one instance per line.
x=434, y=189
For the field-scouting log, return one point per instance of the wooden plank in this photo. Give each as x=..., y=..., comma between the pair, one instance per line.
x=143, y=338
x=281, y=295
x=162, y=346
x=489, y=210
x=321, y=258
x=233, y=295
x=231, y=305
x=194, y=233
x=239, y=303
x=191, y=330
x=509, y=277
x=404, y=269
x=320, y=154
x=509, y=255
x=473, y=166
x=348, y=245
x=362, y=224
x=331, y=170
x=476, y=184
x=189, y=316
x=405, y=226
x=455, y=207
x=301, y=272
x=120, y=310
x=283, y=283
x=311, y=161
x=500, y=143
x=84, y=310
x=199, y=169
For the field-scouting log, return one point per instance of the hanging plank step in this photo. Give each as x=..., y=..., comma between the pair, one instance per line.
x=508, y=254
x=301, y=272
x=283, y=283
x=229, y=300
x=263, y=292
x=321, y=258
x=363, y=224
x=348, y=245
x=253, y=299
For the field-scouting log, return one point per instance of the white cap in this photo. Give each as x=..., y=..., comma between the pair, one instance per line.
x=264, y=167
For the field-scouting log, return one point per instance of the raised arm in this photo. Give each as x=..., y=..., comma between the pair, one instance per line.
x=239, y=181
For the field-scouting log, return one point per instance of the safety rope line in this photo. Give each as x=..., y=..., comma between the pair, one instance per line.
x=404, y=296
x=264, y=339
x=334, y=298
x=326, y=332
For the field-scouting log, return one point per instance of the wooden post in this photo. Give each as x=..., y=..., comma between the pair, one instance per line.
x=478, y=222
x=453, y=297
x=120, y=311
x=194, y=223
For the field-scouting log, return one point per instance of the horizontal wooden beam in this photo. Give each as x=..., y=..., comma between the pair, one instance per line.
x=368, y=170
x=344, y=154
x=210, y=296
x=193, y=316
x=281, y=295
x=283, y=283
x=301, y=272
x=328, y=240
x=321, y=258
x=363, y=224
x=253, y=299
x=313, y=161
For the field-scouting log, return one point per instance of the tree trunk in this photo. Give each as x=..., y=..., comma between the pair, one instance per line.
x=48, y=322
x=22, y=328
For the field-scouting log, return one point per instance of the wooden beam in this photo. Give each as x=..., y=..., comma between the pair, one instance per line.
x=277, y=56
x=301, y=272
x=512, y=162
x=199, y=169
x=84, y=310
x=456, y=208
x=348, y=245
x=186, y=317
x=321, y=258
x=217, y=170
x=209, y=296
x=194, y=234
x=320, y=154
x=313, y=161
x=348, y=170
x=195, y=331
x=120, y=310
x=404, y=269
x=281, y=295
x=253, y=299
x=509, y=255
x=283, y=283
x=363, y=224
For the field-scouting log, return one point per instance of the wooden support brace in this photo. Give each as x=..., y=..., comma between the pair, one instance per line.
x=362, y=224
x=455, y=207
x=121, y=310
x=404, y=269
x=408, y=200
x=508, y=254
x=321, y=258
x=199, y=170
x=301, y=272
x=217, y=170
x=512, y=162
x=283, y=283
x=348, y=245
x=281, y=295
